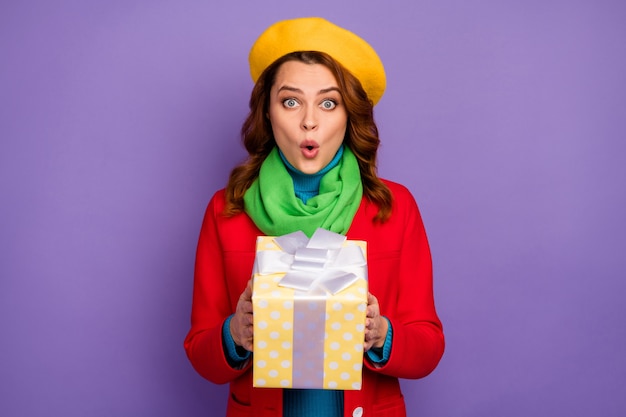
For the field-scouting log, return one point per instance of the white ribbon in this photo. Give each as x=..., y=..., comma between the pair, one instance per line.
x=320, y=262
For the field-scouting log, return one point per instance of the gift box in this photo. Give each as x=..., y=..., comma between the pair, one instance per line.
x=309, y=303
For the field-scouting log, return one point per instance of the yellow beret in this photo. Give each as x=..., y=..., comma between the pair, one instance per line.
x=317, y=34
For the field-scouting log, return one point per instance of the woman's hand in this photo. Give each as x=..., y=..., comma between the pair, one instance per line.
x=376, y=326
x=241, y=324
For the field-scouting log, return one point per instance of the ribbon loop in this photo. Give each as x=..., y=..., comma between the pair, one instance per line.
x=309, y=259
x=309, y=264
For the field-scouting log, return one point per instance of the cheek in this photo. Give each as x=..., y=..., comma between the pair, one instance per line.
x=341, y=125
x=280, y=121
x=341, y=121
x=279, y=128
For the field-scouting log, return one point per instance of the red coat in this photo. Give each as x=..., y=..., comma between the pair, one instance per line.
x=399, y=275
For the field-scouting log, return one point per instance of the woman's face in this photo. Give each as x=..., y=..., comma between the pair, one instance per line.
x=307, y=115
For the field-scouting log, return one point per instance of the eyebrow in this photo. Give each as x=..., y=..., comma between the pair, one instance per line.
x=297, y=90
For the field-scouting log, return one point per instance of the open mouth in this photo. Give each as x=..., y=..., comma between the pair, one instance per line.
x=309, y=149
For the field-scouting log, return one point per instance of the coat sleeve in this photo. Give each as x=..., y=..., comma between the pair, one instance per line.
x=211, y=305
x=418, y=340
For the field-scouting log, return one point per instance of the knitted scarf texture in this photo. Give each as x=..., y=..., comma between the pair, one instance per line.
x=273, y=206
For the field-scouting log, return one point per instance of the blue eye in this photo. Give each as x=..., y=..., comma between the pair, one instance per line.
x=290, y=103
x=328, y=104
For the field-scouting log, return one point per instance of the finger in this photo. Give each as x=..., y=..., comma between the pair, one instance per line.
x=248, y=332
x=246, y=307
x=372, y=312
x=247, y=319
x=370, y=335
x=371, y=299
x=366, y=338
x=367, y=346
x=246, y=296
x=247, y=292
x=248, y=345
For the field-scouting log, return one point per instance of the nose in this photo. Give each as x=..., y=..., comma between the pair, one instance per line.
x=309, y=121
x=309, y=125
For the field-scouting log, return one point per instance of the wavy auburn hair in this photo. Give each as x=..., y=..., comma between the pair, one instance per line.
x=361, y=133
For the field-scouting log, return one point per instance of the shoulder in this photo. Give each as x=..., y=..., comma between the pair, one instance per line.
x=404, y=208
x=217, y=202
x=230, y=228
x=219, y=196
x=395, y=186
x=401, y=194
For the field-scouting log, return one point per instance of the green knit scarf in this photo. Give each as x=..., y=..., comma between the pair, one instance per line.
x=271, y=202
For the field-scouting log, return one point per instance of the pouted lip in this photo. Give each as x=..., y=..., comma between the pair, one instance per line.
x=309, y=144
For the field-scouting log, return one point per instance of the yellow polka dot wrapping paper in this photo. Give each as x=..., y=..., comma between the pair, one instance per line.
x=311, y=335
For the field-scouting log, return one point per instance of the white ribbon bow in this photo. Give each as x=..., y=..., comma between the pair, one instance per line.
x=320, y=262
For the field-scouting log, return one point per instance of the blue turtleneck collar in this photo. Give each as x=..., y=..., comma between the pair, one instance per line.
x=308, y=185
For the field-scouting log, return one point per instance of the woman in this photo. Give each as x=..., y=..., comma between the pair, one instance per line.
x=312, y=145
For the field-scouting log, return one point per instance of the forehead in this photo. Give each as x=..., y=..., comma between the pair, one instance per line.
x=300, y=75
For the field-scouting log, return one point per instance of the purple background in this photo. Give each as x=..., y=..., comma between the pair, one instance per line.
x=119, y=119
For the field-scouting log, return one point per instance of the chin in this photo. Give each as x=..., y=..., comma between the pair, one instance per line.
x=310, y=169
